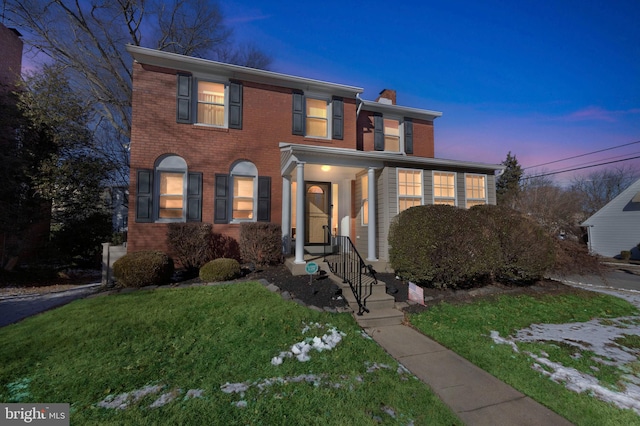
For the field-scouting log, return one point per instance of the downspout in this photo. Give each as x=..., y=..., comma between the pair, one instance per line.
x=360, y=102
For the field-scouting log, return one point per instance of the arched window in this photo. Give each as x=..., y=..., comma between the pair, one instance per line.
x=171, y=172
x=169, y=192
x=244, y=181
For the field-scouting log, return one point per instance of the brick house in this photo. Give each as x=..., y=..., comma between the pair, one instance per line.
x=226, y=144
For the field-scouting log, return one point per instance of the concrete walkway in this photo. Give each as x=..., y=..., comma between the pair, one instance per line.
x=474, y=395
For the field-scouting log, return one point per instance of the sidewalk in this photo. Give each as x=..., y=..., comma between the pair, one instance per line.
x=474, y=395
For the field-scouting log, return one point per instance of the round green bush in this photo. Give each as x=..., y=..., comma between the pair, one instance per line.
x=221, y=269
x=143, y=268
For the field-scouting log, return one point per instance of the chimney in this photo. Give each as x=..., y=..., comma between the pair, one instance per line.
x=387, y=96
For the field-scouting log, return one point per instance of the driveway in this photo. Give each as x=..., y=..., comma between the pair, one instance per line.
x=623, y=277
x=14, y=309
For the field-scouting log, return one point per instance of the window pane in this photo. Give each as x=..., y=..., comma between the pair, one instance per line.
x=171, y=183
x=391, y=127
x=316, y=108
x=391, y=143
x=316, y=127
x=211, y=92
x=443, y=185
x=445, y=202
x=243, y=193
x=211, y=114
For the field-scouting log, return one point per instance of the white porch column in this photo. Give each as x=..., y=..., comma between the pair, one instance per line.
x=286, y=215
x=300, y=231
x=371, y=228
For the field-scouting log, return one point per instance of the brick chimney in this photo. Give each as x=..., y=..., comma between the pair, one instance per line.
x=387, y=96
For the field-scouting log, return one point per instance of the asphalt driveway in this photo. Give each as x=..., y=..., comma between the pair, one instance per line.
x=14, y=309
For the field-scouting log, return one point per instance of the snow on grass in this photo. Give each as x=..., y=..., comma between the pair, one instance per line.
x=302, y=349
x=598, y=336
x=124, y=400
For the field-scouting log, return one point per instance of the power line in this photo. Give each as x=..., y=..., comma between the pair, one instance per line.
x=579, y=168
x=581, y=155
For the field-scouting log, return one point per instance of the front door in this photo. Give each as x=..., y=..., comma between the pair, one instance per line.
x=317, y=212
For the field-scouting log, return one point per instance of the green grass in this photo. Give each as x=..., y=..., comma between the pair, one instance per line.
x=466, y=330
x=202, y=338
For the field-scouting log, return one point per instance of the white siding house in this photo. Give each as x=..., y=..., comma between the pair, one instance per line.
x=616, y=226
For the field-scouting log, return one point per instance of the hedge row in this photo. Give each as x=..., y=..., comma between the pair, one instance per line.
x=448, y=247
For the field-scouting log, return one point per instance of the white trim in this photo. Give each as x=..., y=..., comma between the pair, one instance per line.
x=455, y=187
x=486, y=195
x=421, y=180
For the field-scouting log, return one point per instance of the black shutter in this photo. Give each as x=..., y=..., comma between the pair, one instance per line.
x=221, y=206
x=378, y=133
x=408, y=136
x=144, y=196
x=264, y=198
x=235, y=105
x=183, y=107
x=194, y=197
x=298, y=114
x=337, y=111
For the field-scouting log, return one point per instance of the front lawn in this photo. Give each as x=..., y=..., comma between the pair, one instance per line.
x=483, y=332
x=209, y=355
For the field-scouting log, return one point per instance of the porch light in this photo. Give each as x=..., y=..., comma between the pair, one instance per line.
x=325, y=168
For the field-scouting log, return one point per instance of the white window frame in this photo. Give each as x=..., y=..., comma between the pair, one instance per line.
x=318, y=97
x=399, y=196
x=474, y=200
x=225, y=83
x=400, y=121
x=364, y=205
x=170, y=164
x=455, y=187
x=244, y=169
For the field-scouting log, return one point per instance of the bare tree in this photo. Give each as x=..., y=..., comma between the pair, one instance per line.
x=87, y=40
x=557, y=209
x=599, y=187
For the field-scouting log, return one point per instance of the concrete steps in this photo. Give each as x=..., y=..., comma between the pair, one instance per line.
x=381, y=306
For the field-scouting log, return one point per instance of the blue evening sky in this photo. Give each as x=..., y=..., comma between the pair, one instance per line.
x=543, y=79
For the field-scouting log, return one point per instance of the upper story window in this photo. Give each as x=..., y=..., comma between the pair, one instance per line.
x=444, y=188
x=476, y=190
x=317, y=122
x=216, y=104
x=169, y=193
x=409, y=189
x=317, y=116
x=392, y=134
x=211, y=103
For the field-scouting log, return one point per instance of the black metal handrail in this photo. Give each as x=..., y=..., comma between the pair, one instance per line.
x=345, y=262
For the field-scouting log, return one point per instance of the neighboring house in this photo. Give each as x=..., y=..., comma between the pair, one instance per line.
x=225, y=144
x=616, y=226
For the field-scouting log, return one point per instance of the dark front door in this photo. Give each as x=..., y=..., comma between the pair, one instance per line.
x=317, y=212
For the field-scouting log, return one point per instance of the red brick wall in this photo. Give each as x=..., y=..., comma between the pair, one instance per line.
x=11, y=54
x=266, y=123
x=423, y=142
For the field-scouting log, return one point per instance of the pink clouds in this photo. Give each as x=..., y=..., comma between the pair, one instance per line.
x=598, y=114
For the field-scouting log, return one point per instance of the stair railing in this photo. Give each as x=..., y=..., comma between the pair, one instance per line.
x=344, y=261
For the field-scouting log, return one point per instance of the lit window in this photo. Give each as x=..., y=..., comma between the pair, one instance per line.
x=244, y=180
x=409, y=189
x=211, y=103
x=391, y=135
x=171, y=195
x=316, y=118
x=475, y=190
x=365, y=199
x=444, y=189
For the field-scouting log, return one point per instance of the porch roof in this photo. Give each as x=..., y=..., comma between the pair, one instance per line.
x=293, y=153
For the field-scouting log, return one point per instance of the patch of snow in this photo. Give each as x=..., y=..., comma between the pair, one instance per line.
x=302, y=349
x=241, y=404
x=165, y=398
x=122, y=401
x=240, y=388
x=194, y=393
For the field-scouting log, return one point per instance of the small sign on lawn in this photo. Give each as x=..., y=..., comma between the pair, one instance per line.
x=416, y=293
x=311, y=268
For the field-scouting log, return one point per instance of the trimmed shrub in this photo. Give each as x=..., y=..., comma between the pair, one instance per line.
x=143, y=268
x=526, y=251
x=194, y=244
x=221, y=269
x=625, y=254
x=440, y=246
x=261, y=243
x=573, y=258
